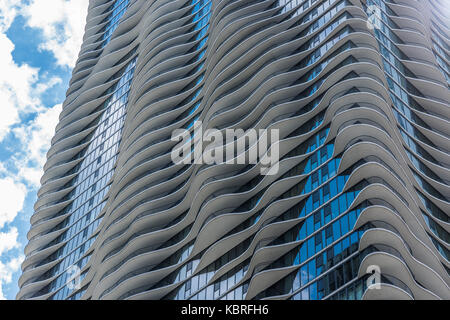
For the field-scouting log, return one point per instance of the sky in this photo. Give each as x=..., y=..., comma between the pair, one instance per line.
x=39, y=45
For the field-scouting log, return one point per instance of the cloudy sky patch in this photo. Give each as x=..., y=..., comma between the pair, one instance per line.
x=39, y=44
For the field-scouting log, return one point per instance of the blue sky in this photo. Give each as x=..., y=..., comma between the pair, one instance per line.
x=39, y=44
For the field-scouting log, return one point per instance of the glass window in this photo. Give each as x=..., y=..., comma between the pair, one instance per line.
x=336, y=230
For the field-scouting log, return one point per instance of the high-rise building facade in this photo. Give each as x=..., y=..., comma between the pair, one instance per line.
x=358, y=91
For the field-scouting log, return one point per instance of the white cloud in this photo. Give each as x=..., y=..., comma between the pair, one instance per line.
x=7, y=270
x=36, y=135
x=20, y=94
x=8, y=11
x=16, y=88
x=44, y=86
x=21, y=88
x=12, y=197
x=62, y=23
x=8, y=240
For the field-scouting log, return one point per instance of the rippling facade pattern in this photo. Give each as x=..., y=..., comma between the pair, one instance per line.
x=359, y=91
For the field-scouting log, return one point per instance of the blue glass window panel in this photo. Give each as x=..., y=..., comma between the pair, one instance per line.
x=313, y=291
x=350, y=197
x=354, y=238
x=337, y=248
x=342, y=203
x=303, y=231
x=341, y=183
x=310, y=225
x=352, y=219
x=304, y=275
x=316, y=200
x=344, y=224
x=309, y=205
x=326, y=193
x=317, y=220
x=333, y=188
x=303, y=252
x=336, y=230
x=335, y=208
x=312, y=269
x=305, y=294
x=311, y=247
x=346, y=243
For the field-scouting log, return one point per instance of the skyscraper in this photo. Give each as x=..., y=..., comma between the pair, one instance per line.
x=358, y=91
